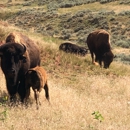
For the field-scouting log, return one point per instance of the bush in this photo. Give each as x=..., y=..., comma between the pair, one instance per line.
x=124, y=13
x=123, y=43
x=123, y=58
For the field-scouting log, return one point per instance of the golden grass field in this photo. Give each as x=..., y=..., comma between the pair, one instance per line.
x=77, y=89
x=72, y=105
x=75, y=93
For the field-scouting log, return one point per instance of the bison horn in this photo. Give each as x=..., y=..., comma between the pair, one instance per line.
x=21, y=48
x=24, y=48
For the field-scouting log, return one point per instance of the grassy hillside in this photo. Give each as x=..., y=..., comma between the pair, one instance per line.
x=82, y=96
x=72, y=20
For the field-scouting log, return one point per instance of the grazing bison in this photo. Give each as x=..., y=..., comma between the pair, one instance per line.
x=98, y=44
x=18, y=54
x=73, y=48
x=37, y=78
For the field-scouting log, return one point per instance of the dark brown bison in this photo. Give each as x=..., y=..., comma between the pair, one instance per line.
x=69, y=47
x=37, y=78
x=18, y=54
x=98, y=44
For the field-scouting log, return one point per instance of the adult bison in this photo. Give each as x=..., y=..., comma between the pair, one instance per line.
x=69, y=47
x=98, y=44
x=18, y=54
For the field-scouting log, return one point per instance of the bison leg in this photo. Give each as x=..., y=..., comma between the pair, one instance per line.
x=22, y=91
x=36, y=95
x=27, y=94
x=100, y=62
x=92, y=56
x=12, y=92
x=46, y=91
x=96, y=59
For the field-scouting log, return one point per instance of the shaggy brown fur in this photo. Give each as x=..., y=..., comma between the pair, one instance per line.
x=37, y=78
x=18, y=54
x=98, y=44
x=69, y=47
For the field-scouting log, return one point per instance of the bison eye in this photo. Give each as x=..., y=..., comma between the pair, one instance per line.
x=23, y=58
x=16, y=58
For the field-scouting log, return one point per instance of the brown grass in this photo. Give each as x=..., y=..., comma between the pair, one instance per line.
x=77, y=89
x=112, y=6
x=72, y=106
x=75, y=93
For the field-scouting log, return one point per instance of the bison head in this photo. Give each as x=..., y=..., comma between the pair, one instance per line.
x=83, y=51
x=107, y=59
x=62, y=47
x=32, y=77
x=12, y=57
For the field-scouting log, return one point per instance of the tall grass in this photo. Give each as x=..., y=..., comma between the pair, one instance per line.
x=77, y=89
x=72, y=108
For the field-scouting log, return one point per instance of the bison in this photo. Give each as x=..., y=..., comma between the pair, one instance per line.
x=69, y=47
x=37, y=79
x=18, y=54
x=99, y=44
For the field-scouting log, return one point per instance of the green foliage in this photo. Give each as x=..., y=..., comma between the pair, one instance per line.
x=123, y=43
x=106, y=1
x=3, y=115
x=98, y=116
x=124, y=13
x=76, y=25
x=125, y=58
x=124, y=2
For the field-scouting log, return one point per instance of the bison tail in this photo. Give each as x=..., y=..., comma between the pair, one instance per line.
x=46, y=91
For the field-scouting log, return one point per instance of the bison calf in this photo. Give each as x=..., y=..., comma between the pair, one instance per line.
x=98, y=44
x=37, y=78
x=73, y=48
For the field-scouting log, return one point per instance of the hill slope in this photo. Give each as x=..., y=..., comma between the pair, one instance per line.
x=77, y=88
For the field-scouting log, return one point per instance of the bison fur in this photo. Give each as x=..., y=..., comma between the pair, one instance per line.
x=37, y=79
x=18, y=54
x=69, y=47
x=99, y=45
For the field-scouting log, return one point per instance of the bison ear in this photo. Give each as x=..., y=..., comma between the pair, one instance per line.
x=31, y=71
x=28, y=72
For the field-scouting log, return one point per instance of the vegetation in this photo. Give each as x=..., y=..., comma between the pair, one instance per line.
x=82, y=96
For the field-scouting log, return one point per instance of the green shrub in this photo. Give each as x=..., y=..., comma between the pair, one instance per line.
x=123, y=43
x=124, y=13
x=122, y=57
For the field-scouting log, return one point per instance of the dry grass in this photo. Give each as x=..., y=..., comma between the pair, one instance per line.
x=112, y=6
x=76, y=91
x=71, y=107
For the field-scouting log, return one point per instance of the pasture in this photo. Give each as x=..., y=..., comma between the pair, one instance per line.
x=72, y=105
x=82, y=96
x=77, y=90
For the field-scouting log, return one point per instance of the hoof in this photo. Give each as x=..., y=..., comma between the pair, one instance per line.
x=95, y=63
